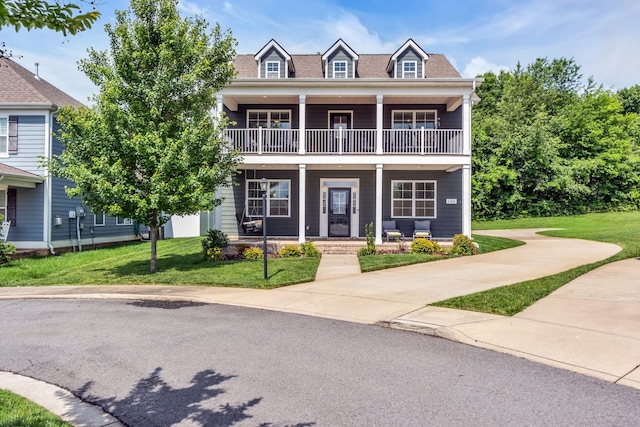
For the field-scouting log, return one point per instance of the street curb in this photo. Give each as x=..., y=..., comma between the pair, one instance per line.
x=58, y=400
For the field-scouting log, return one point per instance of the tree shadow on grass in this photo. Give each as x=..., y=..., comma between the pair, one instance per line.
x=153, y=402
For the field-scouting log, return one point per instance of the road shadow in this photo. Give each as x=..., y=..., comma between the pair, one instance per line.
x=153, y=402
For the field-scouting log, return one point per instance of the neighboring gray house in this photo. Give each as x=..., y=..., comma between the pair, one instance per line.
x=41, y=214
x=346, y=139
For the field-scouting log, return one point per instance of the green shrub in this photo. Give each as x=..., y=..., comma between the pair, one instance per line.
x=241, y=248
x=371, y=242
x=214, y=239
x=6, y=250
x=462, y=245
x=253, y=254
x=214, y=254
x=290, y=251
x=367, y=251
x=309, y=250
x=424, y=246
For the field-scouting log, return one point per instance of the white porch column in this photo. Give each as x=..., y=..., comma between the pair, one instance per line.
x=219, y=105
x=378, y=205
x=466, y=125
x=466, y=200
x=302, y=124
x=379, y=106
x=302, y=202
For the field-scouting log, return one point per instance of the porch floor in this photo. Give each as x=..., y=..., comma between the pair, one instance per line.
x=332, y=246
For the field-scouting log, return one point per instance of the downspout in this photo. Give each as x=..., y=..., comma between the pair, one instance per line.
x=48, y=190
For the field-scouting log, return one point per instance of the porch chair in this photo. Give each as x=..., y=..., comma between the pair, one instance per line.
x=4, y=231
x=422, y=229
x=390, y=231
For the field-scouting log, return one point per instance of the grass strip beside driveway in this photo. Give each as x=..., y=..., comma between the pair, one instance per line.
x=180, y=262
x=16, y=411
x=620, y=228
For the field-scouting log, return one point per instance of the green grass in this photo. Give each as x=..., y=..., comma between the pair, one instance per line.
x=621, y=228
x=16, y=411
x=180, y=262
x=384, y=261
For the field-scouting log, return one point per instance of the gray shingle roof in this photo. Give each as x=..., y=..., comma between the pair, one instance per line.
x=15, y=172
x=370, y=66
x=20, y=86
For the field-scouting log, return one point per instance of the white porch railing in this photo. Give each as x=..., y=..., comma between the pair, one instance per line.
x=422, y=141
x=345, y=141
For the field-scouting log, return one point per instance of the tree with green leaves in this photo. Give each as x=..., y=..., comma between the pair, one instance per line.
x=630, y=98
x=29, y=14
x=151, y=148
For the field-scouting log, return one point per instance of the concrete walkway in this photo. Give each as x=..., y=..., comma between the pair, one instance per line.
x=588, y=326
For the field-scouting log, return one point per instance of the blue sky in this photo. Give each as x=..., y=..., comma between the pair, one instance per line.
x=476, y=35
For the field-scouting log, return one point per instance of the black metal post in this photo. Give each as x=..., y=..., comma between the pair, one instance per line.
x=264, y=231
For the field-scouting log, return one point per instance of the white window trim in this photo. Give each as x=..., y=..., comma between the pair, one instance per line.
x=266, y=69
x=413, y=197
x=269, y=116
x=125, y=221
x=246, y=197
x=415, y=66
x=346, y=69
x=414, y=113
x=5, y=153
x=104, y=220
x=3, y=207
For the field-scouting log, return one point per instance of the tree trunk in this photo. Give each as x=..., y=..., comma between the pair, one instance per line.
x=154, y=243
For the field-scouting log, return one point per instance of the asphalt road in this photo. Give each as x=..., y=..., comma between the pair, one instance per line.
x=164, y=364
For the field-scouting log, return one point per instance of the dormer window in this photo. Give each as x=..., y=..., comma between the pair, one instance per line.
x=409, y=69
x=273, y=69
x=340, y=69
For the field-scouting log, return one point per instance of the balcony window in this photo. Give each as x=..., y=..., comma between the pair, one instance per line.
x=413, y=199
x=273, y=69
x=278, y=198
x=414, y=119
x=340, y=69
x=269, y=119
x=409, y=70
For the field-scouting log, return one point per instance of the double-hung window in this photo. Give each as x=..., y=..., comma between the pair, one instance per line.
x=278, y=119
x=4, y=136
x=414, y=119
x=3, y=204
x=340, y=69
x=278, y=198
x=123, y=221
x=98, y=219
x=273, y=69
x=409, y=70
x=413, y=199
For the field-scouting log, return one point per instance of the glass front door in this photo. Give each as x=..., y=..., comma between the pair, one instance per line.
x=339, y=215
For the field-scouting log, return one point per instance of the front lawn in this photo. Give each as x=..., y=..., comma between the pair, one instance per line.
x=180, y=262
x=16, y=411
x=620, y=228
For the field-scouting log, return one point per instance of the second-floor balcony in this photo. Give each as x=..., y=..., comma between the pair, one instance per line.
x=346, y=141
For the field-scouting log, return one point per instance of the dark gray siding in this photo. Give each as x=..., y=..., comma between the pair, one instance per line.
x=272, y=55
x=449, y=186
x=28, y=226
x=409, y=55
x=235, y=199
x=364, y=116
x=339, y=55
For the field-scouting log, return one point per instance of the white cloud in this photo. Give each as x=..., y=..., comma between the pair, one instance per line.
x=191, y=8
x=479, y=65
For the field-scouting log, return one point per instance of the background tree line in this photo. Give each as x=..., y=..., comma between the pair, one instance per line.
x=546, y=142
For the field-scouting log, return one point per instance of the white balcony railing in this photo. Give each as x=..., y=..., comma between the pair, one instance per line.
x=345, y=141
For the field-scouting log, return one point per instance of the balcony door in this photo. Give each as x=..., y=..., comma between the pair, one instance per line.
x=340, y=122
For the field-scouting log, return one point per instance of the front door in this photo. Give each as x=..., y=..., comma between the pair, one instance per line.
x=339, y=212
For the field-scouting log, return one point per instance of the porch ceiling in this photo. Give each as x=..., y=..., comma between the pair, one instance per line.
x=232, y=101
x=347, y=167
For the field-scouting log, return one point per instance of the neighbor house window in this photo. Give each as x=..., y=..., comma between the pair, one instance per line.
x=409, y=70
x=4, y=136
x=413, y=199
x=123, y=221
x=98, y=219
x=273, y=69
x=3, y=204
x=278, y=198
x=340, y=69
x=414, y=119
x=278, y=119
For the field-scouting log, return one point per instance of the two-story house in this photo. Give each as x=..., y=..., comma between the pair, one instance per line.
x=345, y=139
x=42, y=216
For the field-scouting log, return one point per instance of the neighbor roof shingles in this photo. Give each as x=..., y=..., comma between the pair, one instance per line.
x=20, y=86
x=370, y=66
